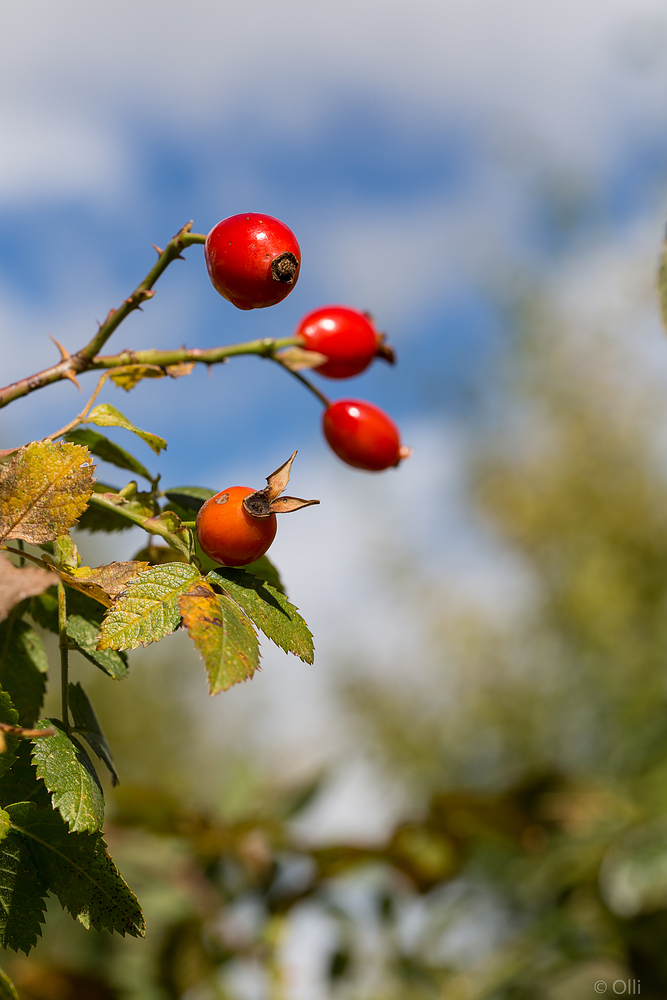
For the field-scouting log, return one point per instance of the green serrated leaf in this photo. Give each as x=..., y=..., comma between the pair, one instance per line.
x=20, y=783
x=23, y=667
x=190, y=497
x=77, y=868
x=148, y=610
x=106, y=415
x=89, y=728
x=84, y=634
x=225, y=639
x=69, y=774
x=265, y=570
x=22, y=892
x=269, y=610
x=7, y=988
x=43, y=490
x=108, y=451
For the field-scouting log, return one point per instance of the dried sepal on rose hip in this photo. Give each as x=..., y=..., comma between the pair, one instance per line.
x=363, y=435
x=344, y=339
x=238, y=525
x=253, y=260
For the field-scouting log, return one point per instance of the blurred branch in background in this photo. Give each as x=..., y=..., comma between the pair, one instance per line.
x=532, y=744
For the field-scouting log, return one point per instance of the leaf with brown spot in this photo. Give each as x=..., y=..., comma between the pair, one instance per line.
x=148, y=610
x=17, y=584
x=104, y=583
x=43, y=490
x=224, y=637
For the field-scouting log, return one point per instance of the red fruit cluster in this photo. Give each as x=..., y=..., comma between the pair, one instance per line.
x=253, y=260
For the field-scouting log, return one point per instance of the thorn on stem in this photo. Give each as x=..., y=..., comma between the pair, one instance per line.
x=63, y=353
x=72, y=377
x=158, y=250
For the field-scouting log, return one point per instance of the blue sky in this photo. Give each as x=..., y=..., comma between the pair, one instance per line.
x=431, y=159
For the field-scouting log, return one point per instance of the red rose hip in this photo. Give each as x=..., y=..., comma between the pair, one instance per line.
x=345, y=336
x=363, y=435
x=228, y=533
x=253, y=260
x=238, y=525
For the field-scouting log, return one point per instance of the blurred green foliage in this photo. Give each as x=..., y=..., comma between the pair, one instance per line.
x=530, y=737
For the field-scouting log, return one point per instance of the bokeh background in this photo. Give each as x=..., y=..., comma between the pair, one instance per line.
x=489, y=180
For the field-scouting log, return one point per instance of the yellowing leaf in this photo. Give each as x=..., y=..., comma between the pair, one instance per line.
x=106, y=415
x=148, y=610
x=43, y=490
x=225, y=639
x=17, y=584
x=127, y=377
x=103, y=583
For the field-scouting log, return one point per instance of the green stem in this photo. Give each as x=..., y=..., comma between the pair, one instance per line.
x=149, y=524
x=265, y=348
x=64, y=654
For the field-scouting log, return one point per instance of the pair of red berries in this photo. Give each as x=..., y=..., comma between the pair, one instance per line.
x=254, y=260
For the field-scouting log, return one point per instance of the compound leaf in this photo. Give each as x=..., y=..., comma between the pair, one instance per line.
x=84, y=634
x=77, y=868
x=148, y=609
x=43, y=490
x=225, y=639
x=89, y=728
x=68, y=773
x=108, y=451
x=23, y=668
x=269, y=610
x=106, y=415
x=17, y=584
x=22, y=890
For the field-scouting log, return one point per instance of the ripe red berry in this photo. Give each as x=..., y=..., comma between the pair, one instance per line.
x=253, y=260
x=228, y=533
x=363, y=435
x=346, y=337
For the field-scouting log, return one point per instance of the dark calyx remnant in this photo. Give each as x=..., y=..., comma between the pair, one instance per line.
x=284, y=268
x=258, y=504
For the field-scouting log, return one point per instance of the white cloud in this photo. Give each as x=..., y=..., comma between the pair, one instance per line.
x=565, y=75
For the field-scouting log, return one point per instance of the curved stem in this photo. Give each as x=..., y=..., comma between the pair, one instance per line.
x=309, y=385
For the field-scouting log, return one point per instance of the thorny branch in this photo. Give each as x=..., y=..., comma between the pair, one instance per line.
x=72, y=365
